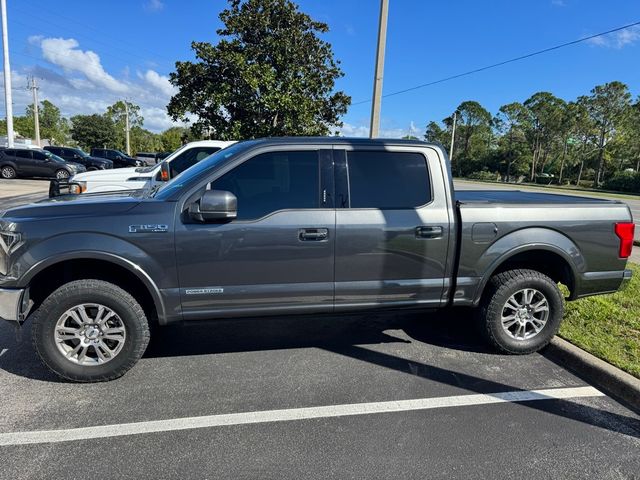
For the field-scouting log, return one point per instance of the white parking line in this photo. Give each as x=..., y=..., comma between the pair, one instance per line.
x=208, y=421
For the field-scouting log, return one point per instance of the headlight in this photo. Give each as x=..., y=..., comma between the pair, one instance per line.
x=9, y=241
x=78, y=187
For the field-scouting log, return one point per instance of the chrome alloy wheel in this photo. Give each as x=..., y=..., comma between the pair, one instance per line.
x=8, y=172
x=90, y=334
x=62, y=175
x=525, y=314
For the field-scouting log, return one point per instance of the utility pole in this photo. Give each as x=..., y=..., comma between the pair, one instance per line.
x=453, y=136
x=126, y=127
x=8, y=102
x=379, y=72
x=33, y=86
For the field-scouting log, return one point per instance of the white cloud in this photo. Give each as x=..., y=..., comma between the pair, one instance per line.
x=153, y=5
x=79, y=84
x=160, y=82
x=619, y=39
x=64, y=52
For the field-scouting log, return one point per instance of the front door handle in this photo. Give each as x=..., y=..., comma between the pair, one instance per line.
x=428, y=232
x=313, y=234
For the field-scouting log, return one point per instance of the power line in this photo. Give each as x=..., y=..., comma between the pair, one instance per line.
x=505, y=62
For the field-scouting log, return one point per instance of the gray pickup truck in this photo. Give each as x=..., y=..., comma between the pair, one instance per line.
x=299, y=225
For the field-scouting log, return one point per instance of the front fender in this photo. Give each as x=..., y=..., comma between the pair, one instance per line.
x=527, y=239
x=94, y=246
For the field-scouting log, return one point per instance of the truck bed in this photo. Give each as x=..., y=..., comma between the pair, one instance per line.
x=525, y=198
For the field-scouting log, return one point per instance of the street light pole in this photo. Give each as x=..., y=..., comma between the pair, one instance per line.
x=8, y=102
x=36, y=114
x=126, y=127
x=379, y=72
x=453, y=136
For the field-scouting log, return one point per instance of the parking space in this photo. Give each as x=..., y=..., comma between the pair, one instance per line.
x=386, y=395
x=314, y=397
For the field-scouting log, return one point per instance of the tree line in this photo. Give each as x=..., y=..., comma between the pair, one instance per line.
x=98, y=130
x=593, y=140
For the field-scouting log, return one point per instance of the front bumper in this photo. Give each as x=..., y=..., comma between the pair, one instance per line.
x=11, y=307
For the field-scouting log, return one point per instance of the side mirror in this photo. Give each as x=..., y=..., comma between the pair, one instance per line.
x=214, y=205
x=165, y=174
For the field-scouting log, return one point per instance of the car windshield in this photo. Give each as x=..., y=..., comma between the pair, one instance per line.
x=51, y=156
x=190, y=174
x=82, y=153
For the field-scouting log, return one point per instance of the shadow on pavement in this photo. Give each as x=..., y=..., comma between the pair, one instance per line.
x=343, y=335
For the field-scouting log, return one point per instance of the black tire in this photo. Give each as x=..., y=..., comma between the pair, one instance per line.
x=62, y=174
x=8, y=172
x=500, y=289
x=90, y=292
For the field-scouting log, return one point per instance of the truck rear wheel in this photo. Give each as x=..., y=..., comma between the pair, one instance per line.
x=90, y=331
x=521, y=311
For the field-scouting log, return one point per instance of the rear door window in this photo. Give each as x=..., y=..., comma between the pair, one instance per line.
x=388, y=180
x=23, y=153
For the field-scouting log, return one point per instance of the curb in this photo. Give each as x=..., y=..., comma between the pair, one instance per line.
x=612, y=380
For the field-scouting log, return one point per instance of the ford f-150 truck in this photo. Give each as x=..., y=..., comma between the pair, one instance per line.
x=299, y=225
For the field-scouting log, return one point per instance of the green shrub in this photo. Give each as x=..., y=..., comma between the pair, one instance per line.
x=484, y=176
x=623, y=182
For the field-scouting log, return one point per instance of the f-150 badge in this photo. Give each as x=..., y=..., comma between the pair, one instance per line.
x=151, y=228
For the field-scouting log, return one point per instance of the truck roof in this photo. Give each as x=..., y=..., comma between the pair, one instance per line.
x=343, y=140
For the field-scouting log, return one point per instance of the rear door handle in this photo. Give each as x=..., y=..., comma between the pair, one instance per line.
x=313, y=234
x=428, y=232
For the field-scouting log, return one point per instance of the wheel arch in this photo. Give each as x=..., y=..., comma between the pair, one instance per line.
x=47, y=275
x=557, y=256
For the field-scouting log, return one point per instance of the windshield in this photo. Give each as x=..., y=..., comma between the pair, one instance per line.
x=51, y=156
x=201, y=168
x=82, y=153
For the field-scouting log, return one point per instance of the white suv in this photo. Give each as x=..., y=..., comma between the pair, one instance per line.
x=144, y=177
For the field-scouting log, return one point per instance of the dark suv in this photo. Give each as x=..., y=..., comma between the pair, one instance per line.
x=118, y=158
x=26, y=162
x=79, y=156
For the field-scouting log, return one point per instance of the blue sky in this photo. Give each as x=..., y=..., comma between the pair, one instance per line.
x=88, y=54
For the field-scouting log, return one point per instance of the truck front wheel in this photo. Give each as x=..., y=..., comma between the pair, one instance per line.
x=90, y=331
x=521, y=311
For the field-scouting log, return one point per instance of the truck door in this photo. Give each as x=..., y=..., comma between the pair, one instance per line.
x=277, y=256
x=392, y=230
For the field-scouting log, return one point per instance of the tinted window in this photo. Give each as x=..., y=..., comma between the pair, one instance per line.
x=388, y=180
x=9, y=152
x=273, y=181
x=189, y=159
x=23, y=153
x=39, y=156
x=55, y=150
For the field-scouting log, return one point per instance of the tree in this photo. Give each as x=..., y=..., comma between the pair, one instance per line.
x=117, y=113
x=172, y=138
x=93, y=131
x=270, y=75
x=541, y=118
x=436, y=134
x=607, y=106
x=52, y=125
x=508, y=125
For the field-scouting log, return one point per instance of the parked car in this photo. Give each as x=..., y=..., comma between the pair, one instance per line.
x=32, y=163
x=300, y=225
x=146, y=177
x=148, y=158
x=77, y=155
x=119, y=159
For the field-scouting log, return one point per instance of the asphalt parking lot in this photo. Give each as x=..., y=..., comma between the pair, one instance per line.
x=389, y=395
